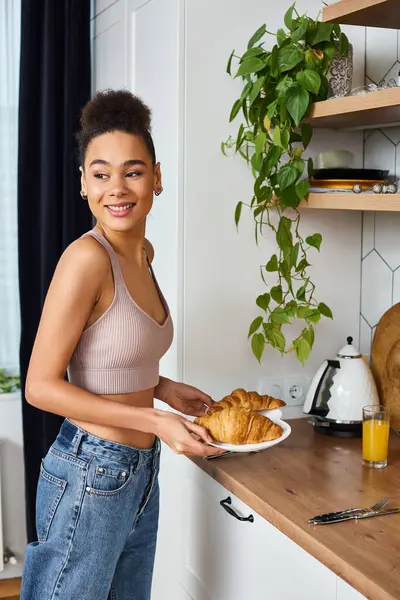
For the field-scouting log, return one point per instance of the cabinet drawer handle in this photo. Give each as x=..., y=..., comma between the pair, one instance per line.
x=225, y=505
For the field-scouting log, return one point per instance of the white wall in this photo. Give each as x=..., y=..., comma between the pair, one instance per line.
x=221, y=271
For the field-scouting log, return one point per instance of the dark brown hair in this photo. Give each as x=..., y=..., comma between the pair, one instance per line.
x=114, y=110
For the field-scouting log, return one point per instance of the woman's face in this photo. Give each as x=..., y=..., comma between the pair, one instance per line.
x=119, y=180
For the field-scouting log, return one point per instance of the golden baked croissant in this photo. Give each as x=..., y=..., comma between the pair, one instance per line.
x=251, y=400
x=234, y=425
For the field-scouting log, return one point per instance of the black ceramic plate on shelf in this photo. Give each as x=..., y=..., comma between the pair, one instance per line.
x=354, y=174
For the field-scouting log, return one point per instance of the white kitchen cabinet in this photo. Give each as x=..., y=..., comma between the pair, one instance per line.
x=346, y=592
x=226, y=559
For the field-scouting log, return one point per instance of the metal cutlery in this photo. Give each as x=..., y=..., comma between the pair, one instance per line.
x=350, y=511
x=358, y=516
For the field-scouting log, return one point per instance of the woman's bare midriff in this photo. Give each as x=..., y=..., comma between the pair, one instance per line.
x=129, y=437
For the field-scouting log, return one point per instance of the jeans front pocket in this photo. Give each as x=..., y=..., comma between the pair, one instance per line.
x=107, y=477
x=49, y=493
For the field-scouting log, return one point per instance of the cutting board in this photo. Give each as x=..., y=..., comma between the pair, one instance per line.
x=385, y=362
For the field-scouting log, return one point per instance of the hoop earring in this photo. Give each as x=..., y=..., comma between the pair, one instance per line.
x=157, y=193
x=83, y=196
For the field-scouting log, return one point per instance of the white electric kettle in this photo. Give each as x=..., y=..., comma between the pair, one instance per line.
x=338, y=392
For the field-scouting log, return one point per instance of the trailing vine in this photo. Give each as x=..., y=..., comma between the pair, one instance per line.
x=279, y=86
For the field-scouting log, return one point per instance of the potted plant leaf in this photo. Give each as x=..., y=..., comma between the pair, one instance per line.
x=9, y=383
x=279, y=87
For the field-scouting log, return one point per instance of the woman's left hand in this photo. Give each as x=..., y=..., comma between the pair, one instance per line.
x=184, y=398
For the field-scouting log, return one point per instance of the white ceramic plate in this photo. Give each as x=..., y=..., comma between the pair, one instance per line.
x=275, y=416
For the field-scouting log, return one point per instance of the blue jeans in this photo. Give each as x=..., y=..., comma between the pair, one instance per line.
x=96, y=520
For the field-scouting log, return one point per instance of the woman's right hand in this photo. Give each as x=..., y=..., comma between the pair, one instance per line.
x=178, y=433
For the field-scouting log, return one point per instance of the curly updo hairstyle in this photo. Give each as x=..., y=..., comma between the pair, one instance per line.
x=114, y=110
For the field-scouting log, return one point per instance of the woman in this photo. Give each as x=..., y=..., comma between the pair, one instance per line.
x=106, y=320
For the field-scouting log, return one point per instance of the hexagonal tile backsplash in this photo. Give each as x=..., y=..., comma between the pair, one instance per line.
x=380, y=272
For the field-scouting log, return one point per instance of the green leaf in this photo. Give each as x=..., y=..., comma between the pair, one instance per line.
x=286, y=176
x=325, y=310
x=260, y=142
x=309, y=80
x=288, y=197
x=294, y=255
x=302, y=189
x=299, y=165
x=284, y=85
x=289, y=56
x=288, y=20
x=310, y=167
x=281, y=36
x=272, y=264
x=256, y=324
x=301, y=295
x=240, y=136
x=285, y=138
x=235, y=110
x=238, y=212
x=276, y=294
x=228, y=66
x=223, y=149
x=314, y=240
x=276, y=137
x=306, y=134
x=251, y=65
x=279, y=316
x=343, y=44
x=308, y=335
x=302, y=349
x=274, y=61
x=291, y=309
x=275, y=338
x=303, y=264
x=303, y=312
x=257, y=36
x=256, y=162
x=297, y=99
x=322, y=33
x=263, y=301
x=283, y=235
x=257, y=85
x=258, y=345
x=246, y=91
x=252, y=52
x=274, y=154
x=272, y=110
x=314, y=317
x=300, y=31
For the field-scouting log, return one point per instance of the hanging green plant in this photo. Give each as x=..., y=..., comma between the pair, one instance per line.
x=8, y=383
x=279, y=86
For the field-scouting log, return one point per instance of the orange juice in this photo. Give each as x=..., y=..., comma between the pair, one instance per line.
x=375, y=439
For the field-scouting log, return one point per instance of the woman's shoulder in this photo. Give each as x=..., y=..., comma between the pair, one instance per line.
x=84, y=253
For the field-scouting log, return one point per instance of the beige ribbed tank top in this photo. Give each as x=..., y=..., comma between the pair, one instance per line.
x=120, y=352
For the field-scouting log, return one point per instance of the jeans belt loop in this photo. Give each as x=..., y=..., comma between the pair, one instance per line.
x=77, y=442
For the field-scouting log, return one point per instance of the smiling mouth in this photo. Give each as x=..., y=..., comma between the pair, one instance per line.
x=120, y=207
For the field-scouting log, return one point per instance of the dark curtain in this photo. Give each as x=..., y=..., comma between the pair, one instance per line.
x=54, y=85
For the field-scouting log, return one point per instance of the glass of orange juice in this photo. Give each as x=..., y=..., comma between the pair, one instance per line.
x=375, y=436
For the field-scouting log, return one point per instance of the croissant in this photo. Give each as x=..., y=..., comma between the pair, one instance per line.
x=251, y=400
x=239, y=426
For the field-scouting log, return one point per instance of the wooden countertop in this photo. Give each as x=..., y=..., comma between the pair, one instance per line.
x=309, y=474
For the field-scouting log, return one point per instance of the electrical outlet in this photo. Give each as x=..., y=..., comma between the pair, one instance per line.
x=272, y=387
x=295, y=390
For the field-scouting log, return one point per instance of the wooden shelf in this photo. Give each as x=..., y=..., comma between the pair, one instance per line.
x=367, y=13
x=362, y=111
x=351, y=201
